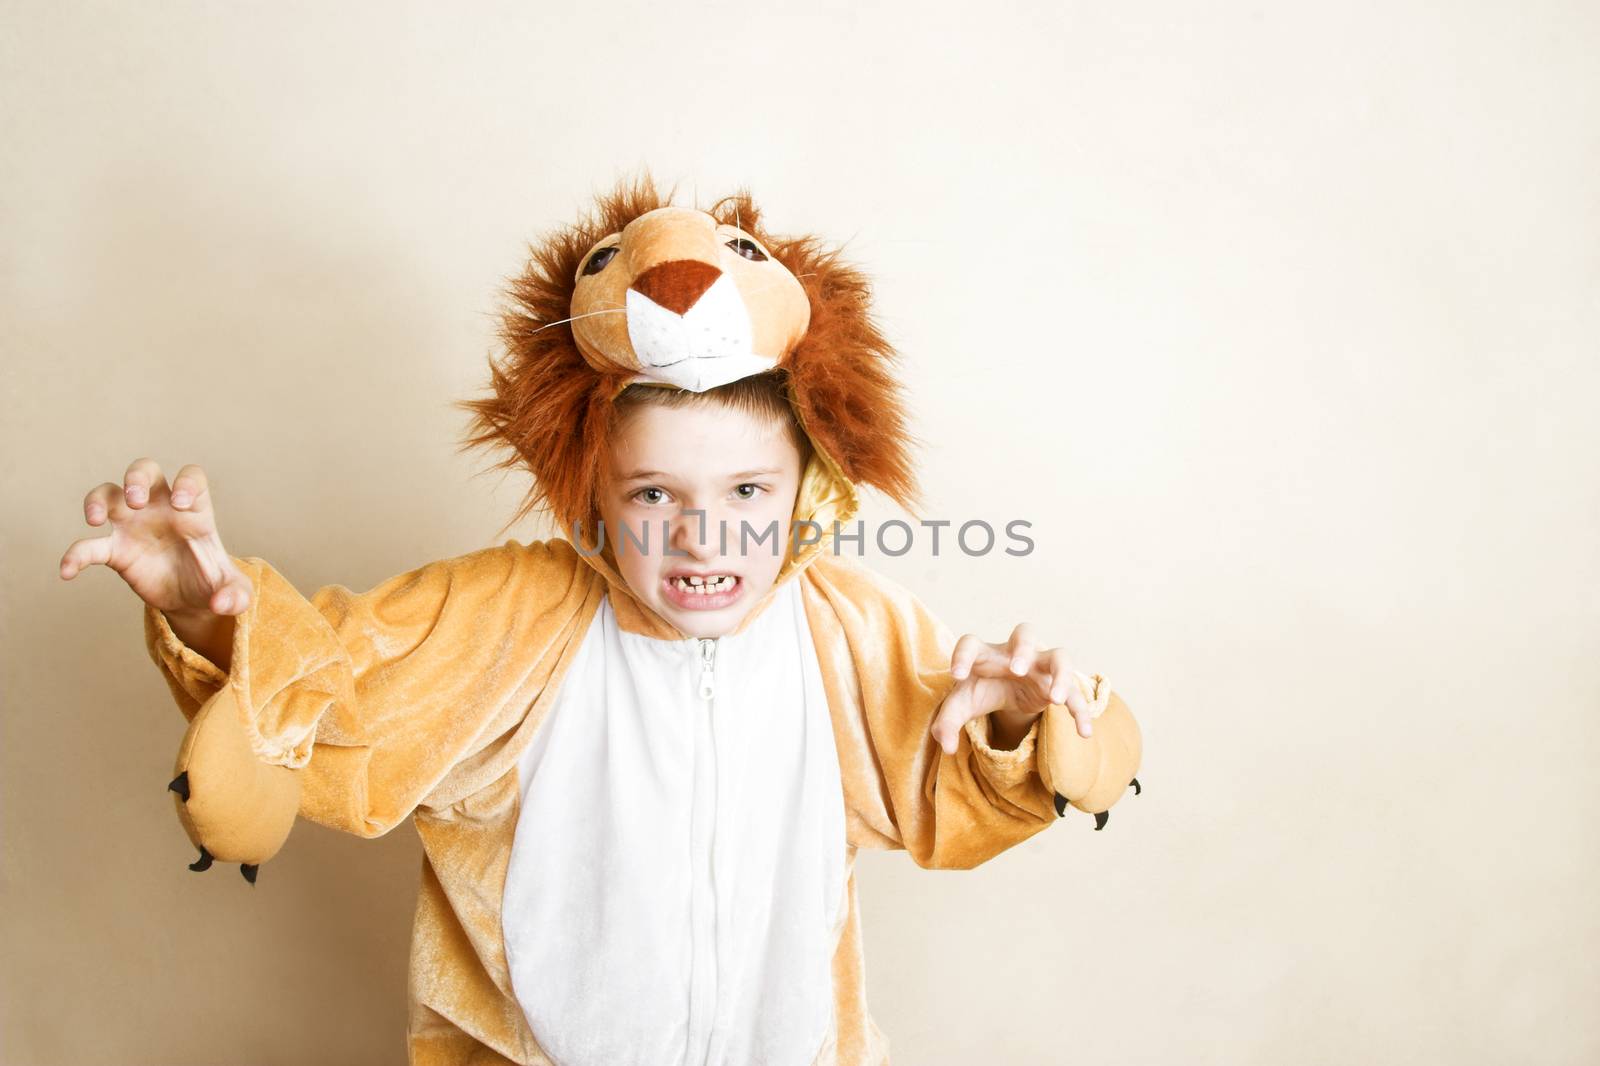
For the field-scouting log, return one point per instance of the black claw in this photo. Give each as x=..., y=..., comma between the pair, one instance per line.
x=1061, y=805
x=1101, y=819
x=180, y=785
x=1136, y=788
x=249, y=871
x=203, y=862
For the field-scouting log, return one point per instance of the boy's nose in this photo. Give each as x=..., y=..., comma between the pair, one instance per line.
x=689, y=537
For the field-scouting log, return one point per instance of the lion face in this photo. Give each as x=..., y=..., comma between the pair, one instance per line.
x=678, y=298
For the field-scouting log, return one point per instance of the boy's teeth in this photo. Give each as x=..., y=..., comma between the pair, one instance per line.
x=704, y=586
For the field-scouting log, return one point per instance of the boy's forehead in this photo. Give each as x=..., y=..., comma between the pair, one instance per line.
x=700, y=438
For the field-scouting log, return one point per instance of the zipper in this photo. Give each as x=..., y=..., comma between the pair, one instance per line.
x=708, y=659
x=705, y=1012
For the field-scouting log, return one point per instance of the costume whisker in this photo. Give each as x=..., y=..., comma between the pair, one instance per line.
x=586, y=314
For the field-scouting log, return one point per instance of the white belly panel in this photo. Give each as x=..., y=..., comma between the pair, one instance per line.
x=678, y=868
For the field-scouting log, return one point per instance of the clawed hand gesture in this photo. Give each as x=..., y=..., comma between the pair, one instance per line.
x=1016, y=678
x=163, y=542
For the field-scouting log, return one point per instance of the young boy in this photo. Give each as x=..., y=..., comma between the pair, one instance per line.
x=641, y=761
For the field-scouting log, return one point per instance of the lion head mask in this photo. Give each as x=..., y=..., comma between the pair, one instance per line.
x=642, y=290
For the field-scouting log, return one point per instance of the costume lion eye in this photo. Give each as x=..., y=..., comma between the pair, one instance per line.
x=597, y=262
x=747, y=248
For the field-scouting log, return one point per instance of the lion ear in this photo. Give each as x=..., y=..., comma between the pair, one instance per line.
x=844, y=376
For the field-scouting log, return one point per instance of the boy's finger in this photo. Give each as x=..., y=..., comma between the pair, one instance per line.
x=957, y=708
x=189, y=488
x=232, y=598
x=1081, y=717
x=1040, y=683
x=84, y=553
x=967, y=650
x=1060, y=672
x=1021, y=648
x=101, y=501
x=139, y=482
x=1076, y=702
x=993, y=660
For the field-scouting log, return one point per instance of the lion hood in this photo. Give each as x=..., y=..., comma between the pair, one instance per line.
x=642, y=290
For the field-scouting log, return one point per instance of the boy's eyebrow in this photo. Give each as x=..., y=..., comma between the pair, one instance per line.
x=764, y=472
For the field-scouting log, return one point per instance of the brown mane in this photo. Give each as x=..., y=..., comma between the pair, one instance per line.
x=553, y=411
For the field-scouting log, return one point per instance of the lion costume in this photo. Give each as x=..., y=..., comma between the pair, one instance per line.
x=639, y=846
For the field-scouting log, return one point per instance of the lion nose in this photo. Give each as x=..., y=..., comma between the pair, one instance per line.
x=677, y=284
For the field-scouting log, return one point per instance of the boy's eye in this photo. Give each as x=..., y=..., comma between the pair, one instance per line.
x=747, y=248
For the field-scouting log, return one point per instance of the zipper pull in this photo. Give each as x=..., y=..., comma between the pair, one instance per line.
x=708, y=654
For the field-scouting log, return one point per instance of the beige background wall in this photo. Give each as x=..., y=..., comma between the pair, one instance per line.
x=1279, y=323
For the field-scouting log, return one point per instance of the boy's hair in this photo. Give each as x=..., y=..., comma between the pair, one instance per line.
x=762, y=395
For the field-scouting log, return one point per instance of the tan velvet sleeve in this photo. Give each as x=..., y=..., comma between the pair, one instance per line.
x=376, y=695
x=886, y=663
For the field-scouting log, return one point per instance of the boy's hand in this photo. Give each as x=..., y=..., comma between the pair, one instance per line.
x=163, y=542
x=1015, y=678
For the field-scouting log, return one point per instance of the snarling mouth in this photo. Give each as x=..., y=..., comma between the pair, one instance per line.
x=696, y=584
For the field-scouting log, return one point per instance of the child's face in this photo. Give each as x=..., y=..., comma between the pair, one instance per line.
x=741, y=469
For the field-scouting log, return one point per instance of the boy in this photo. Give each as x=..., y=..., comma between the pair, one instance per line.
x=640, y=763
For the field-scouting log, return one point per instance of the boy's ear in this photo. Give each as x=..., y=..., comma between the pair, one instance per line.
x=844, y=376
